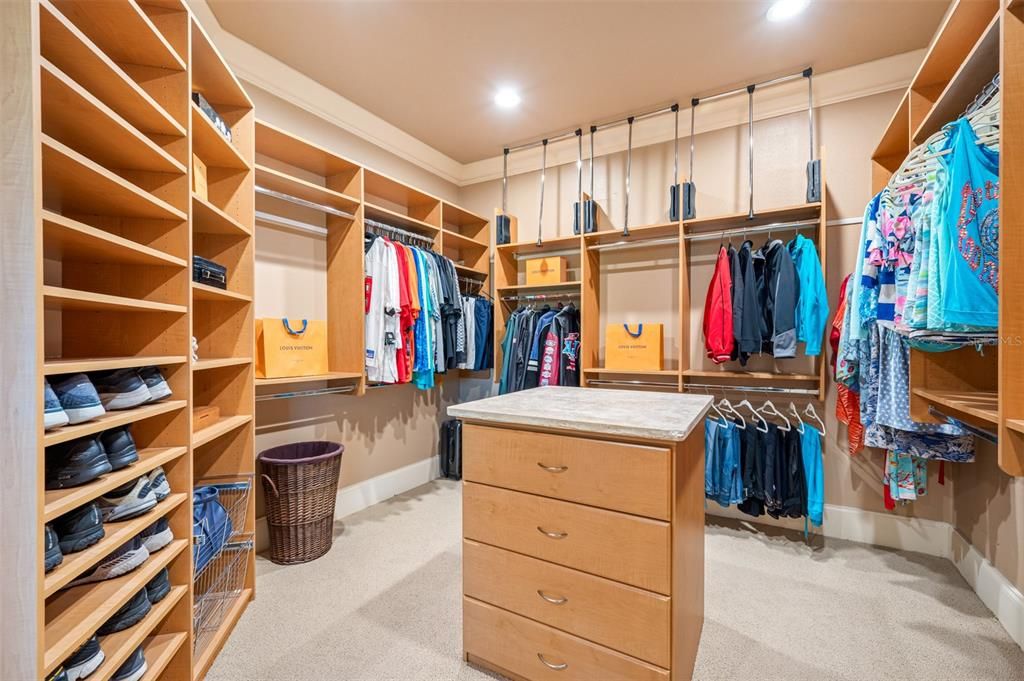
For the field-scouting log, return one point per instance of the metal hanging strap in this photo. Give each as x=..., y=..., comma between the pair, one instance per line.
x=543, y=173
x=629, y=171
x=750, y=149
x=813, y=165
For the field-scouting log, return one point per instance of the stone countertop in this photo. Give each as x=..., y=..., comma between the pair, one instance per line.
x=625, y=413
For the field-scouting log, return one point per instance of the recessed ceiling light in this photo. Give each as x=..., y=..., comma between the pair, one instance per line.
x=786, y=9
x=507, y=98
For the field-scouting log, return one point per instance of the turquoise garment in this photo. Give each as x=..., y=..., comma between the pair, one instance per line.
x=723, y=479
x=970, y=271
x=812, y=303
x=810, y=449
x=423, y=370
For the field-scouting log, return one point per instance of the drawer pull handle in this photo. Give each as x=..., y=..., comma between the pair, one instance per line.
x=553, y=469
x=553, y=535
x=556, y=667
x=556, y=601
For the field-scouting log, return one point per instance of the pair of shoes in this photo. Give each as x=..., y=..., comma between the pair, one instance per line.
x=79, y=529
x=130, y=614
x=157, y=536
x=128, y=388
x=53, y=555
x=136, y=497
x=85, y=660
x=81, y=461
x=71, y=399
x=133, y=669
x=123, y=560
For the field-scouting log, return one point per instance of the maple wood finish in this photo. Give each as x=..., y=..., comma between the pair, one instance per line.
x=583, y=556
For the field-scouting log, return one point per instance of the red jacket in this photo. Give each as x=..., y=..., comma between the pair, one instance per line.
x=718, y=338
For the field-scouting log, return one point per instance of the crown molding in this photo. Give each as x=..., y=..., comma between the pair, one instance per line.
x=257, y=67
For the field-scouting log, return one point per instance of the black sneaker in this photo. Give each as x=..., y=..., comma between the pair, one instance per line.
x=121, y=389
x=75, y=463
x=133, y=669
x=79, y=529
x=159, y=586
x=54, y=557
x=154, y=380
x=120, y=447
x=127, y=501
x=123, y=560
x=130, y=614
x=85, y=661
x=157, y=535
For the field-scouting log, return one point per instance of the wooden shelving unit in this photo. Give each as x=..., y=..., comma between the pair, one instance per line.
x=223, y=319
x=114, y=228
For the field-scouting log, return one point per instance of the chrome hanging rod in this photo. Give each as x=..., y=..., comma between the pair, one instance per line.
x=339, y=390
x=546, y=254
x=608, y=125
x=279, y=221
x=540, y=296
x=547, y=140
x=986, y=435
x=374, y=225
x=774, y=227
x=741, y=90
x=551, y=139
x=613, y=381
x=621, y=245
x=304, y=203
x=749, y=388
x=471, y=280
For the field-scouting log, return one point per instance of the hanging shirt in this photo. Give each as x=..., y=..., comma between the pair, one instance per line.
x=812, y=299
x=810, y=449
x=377, y=298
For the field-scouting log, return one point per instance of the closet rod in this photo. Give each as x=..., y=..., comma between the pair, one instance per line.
x=594, y=128
x=307, y=393
x=540, y=296
x=373, y=224
x=304, y=203
x=638, y=117
x=750, y=388
x=774, y=227
x=621, y=245
x=272, y=219
x=548, y=140
x=612, y=381
x=546, y=254
x=986, y=435
x=471, y=280
x=805, y=73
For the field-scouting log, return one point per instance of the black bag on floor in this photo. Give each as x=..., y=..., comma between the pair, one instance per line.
x=450, y=449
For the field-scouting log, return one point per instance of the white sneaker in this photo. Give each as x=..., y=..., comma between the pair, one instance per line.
x=131, y=555
x=158, y=482
x=127, y=501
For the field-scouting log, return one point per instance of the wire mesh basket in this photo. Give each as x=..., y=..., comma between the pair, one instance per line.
x=216, y=588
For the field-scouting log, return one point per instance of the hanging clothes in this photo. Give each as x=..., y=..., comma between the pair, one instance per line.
x=776, y=286
x=541, y=347
x=718, y=319
x=812, y=298
x=745, y=314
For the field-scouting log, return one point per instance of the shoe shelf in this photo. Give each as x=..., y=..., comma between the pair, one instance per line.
x=223, y=426
x=220, y=363
x=69, y=240
x=159, y=650
x=57, y=502
x=115, y=535
x=123, y=643
x=73, y=615
x=112, y=419
x=70, y=366
x=58, y=298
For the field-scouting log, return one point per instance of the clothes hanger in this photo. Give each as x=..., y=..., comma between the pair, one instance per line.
x=799, y=421
x=727, y=407
x=769, y=408
x=721, y=416
x=811, y=413
x=757, y=416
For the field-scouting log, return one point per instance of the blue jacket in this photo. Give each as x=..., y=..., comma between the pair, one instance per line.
x=812, y=300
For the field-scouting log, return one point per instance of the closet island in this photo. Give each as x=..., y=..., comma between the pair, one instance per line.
x=583, y=533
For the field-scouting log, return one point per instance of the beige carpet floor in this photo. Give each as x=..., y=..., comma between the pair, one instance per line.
x=384, y=605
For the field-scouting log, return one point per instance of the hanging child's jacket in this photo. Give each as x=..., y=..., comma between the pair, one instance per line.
x=718, y=332
x=812, y=299
x=777, y=293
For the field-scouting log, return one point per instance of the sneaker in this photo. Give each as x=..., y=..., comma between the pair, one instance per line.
x=58, y=674
x=130, y=614
x=53, y=556
x=121, y=389
x=158, y=481
x=157, y=535
x=120, y=447
x=127, y=501
x=53, y=414
x=158, y=587
x=75, y=463
x=133, y=669
x=78, y=398
x=129, y=556
x=85, y=661
x=79, y=529
x=154, y=380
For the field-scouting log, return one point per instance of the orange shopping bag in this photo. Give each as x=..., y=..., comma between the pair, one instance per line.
x=636, y=349
x=287, y=348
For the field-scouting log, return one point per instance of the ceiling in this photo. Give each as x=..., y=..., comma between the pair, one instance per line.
x=431, y=68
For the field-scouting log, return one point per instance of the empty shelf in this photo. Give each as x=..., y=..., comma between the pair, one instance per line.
x=57, y=298
x=212, y=293
x=209, y=219
x=220, y=363
x=73, y=241
x=223, y=426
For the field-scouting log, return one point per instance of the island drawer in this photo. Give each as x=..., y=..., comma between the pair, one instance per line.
x=609, y=544
x=621, y=617
x=530, y=650
x=614, y=475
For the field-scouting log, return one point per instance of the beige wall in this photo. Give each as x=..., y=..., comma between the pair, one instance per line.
x=641, y=282
x=390, y=427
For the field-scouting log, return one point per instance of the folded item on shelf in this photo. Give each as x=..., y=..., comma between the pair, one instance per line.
x=208, y=272
x=222, y=127
x=211, y=526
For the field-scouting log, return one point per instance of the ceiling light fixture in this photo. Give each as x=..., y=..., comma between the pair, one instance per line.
x=507, y=98
x=786, y=9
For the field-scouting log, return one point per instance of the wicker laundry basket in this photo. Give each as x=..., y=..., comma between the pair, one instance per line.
x=300, y=485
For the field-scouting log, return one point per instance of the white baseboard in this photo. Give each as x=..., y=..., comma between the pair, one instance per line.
x=992, y=587
x=372, y=491
x=932, y=537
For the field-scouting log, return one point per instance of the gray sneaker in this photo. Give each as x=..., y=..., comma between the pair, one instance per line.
x=127, y=501
x=121, y=389
x=53, y=413
x=158, y=388
x=158, y=481
x=123, y=560
x=78, y=398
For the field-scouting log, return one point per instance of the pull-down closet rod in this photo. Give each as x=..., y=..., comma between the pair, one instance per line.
x=749, y=388
x=612, y=381
x=745, y=88
x=774, y=227
x=547, y=140
x=620, y=245
x=304, y=203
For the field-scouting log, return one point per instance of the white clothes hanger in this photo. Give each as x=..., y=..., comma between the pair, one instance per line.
x=726, y=406
x=812, y=414
x=758, y=419
x=799, y=421
x=769, y=408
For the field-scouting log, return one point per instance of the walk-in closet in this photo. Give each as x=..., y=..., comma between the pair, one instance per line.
x=594, y=341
